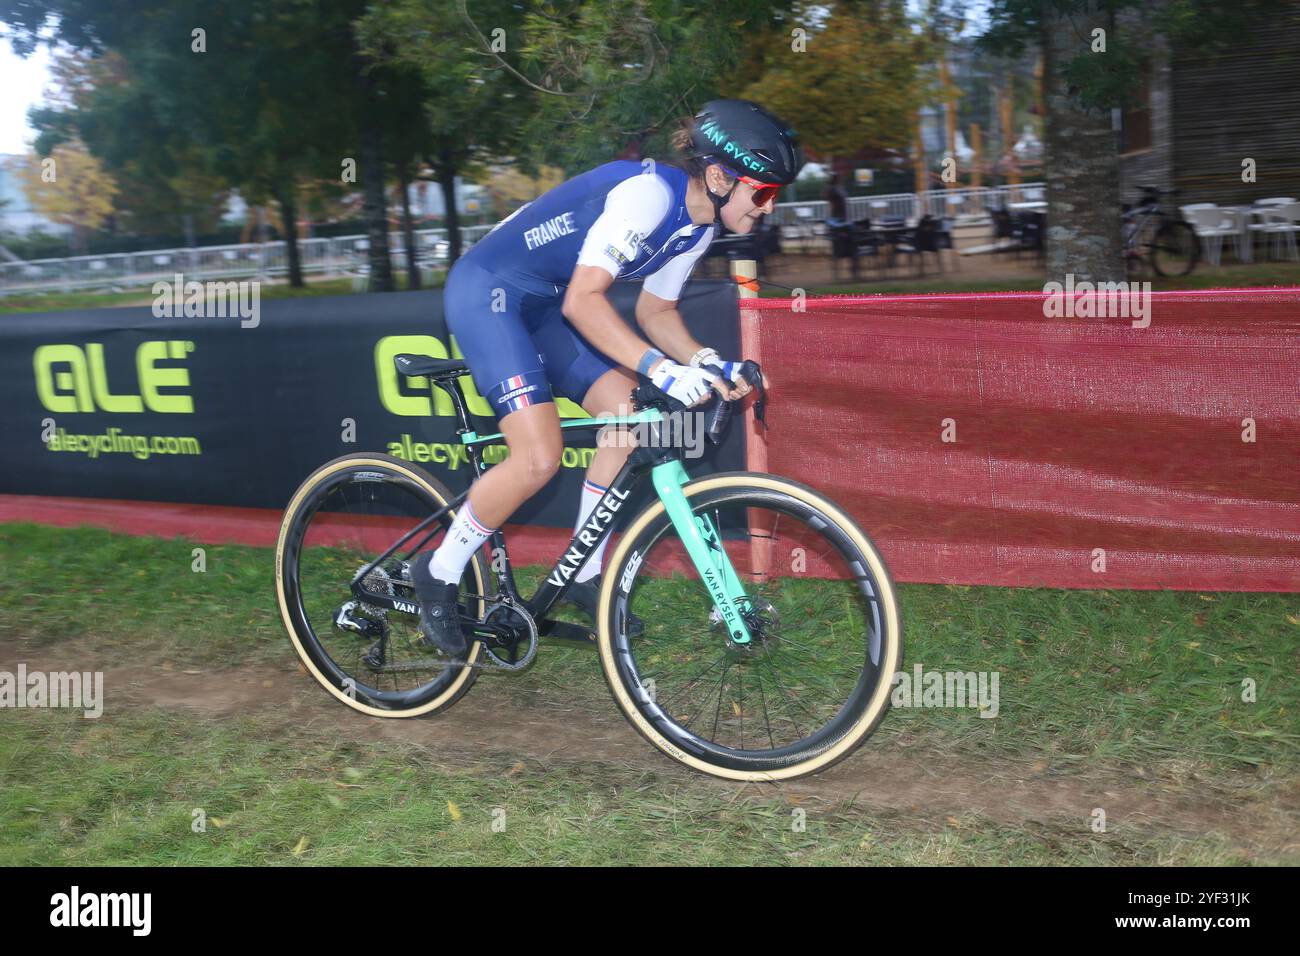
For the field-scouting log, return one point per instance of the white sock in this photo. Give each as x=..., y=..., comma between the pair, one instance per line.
x=465, y=536
x=591, y=493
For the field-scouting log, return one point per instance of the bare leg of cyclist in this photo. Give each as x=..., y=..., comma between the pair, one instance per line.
x=533, y=436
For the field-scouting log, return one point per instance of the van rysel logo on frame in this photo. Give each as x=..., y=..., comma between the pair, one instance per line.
x=601, y=516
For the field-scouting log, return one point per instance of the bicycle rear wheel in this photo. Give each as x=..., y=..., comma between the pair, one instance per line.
x=347, y=513
x=821, y=607
x=1175, y=250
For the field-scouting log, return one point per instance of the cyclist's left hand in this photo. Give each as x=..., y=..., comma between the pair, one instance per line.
x=730, y=370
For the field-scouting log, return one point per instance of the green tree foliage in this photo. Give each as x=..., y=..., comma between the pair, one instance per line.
x=605, y=78
x=847, y=75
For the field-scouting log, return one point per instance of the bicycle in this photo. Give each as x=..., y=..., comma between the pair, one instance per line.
x=1169, y=244
x=790, y=632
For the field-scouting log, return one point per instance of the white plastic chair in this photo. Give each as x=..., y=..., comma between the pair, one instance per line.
x=1281, y=223
x=1211, y=224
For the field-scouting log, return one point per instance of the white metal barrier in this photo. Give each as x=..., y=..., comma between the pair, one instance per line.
x=803, y=225
x=340, y=255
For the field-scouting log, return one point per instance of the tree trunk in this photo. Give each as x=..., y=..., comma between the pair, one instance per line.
x=286, y=196
x=447, y=179
x=375, y=207
x=408, y=228
x=1081, y=162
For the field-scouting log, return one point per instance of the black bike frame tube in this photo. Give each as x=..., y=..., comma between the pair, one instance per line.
x=594, y=530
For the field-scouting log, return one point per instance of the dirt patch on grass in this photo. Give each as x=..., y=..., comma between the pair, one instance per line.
x=1259, y=813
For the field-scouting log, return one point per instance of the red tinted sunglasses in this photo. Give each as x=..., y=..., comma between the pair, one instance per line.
x=763, y=193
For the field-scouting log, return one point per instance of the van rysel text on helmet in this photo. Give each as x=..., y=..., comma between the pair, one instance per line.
x=715, y=133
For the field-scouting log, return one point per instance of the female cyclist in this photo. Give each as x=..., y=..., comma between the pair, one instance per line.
x=527, y=305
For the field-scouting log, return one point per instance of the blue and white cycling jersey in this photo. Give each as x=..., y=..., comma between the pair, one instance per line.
x=626, y=218
x=503, y=297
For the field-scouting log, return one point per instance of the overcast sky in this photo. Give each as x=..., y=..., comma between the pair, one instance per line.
x=23, y=82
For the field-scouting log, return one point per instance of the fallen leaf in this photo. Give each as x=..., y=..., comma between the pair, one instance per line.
x=218, y=822
x=453, y=810
x=517, y=768
x=301, y=848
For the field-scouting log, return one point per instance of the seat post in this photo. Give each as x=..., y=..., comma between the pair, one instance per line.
x=451, y=386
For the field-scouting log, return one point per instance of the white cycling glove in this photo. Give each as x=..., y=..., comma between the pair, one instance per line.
x=708, y=356
x=687, y=385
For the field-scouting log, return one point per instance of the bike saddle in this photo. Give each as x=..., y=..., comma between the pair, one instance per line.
x=428, y=365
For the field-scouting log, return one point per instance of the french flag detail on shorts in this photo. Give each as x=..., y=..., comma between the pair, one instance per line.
x=591, y=486
x=519, y=391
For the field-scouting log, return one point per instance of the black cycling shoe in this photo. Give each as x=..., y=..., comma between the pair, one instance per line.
x=586, y=595
x=439, y=610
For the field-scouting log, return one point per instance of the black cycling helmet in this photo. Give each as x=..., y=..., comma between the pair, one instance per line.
x=748, y=140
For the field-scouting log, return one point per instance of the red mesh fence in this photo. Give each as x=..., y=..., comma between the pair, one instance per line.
x=980, y=442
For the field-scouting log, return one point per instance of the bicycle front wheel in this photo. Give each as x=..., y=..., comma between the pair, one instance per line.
x=815, y=679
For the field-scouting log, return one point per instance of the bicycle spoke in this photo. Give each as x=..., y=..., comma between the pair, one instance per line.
x=758, y=677
x=663, y=704
x=785, y=695
x=718, y=712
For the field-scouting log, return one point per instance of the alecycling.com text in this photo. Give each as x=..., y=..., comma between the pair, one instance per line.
x=113, y=441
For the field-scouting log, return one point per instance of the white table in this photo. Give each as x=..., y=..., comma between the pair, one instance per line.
x=1031, y=206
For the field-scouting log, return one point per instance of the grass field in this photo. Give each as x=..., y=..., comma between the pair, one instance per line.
x=1127, y=702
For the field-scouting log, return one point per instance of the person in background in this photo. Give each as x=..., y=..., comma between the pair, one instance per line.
x=839, y=201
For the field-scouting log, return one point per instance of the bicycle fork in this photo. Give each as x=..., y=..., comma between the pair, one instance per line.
x=704, y=545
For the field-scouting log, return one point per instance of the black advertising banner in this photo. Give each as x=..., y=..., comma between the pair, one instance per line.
x=121, y=403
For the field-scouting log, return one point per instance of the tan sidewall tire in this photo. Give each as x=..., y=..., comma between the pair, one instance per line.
x=892, y=642
x=441, y=493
